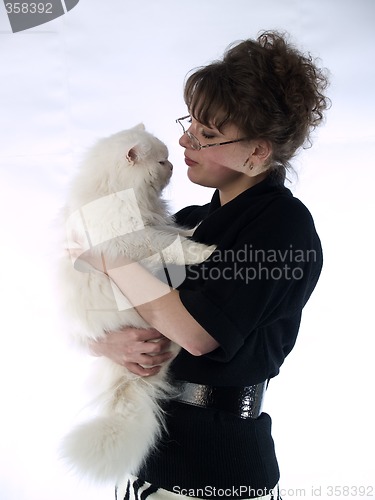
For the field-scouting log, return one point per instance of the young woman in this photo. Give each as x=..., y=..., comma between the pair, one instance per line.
x=236, y=315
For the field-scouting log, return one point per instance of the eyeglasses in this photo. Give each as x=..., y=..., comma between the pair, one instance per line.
x=195, y=144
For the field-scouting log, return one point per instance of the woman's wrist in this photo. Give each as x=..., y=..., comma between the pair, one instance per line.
x=98, y=261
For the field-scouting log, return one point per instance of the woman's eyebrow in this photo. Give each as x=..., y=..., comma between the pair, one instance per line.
x=211, y=127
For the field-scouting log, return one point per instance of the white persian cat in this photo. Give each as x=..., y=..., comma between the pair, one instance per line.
x=115, y=200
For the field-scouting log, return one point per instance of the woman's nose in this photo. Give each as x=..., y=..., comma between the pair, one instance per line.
x=184, y=141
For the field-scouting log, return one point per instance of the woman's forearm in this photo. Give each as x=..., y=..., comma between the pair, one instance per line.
x=162, y=308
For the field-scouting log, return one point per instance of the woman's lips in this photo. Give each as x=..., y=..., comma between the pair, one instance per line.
x=189, y=162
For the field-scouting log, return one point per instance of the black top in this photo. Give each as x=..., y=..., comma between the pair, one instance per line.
x=249, y=296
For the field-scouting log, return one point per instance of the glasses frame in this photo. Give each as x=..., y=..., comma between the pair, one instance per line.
x=194, y=141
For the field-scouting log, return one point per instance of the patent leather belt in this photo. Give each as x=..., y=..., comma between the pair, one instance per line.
x=245, y=402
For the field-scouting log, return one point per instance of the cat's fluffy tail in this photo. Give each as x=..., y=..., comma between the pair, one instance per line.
x=116, y=442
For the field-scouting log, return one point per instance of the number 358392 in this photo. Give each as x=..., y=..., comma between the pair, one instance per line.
x=28, y=8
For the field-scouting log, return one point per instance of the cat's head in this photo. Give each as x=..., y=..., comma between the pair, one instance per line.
x=132, y=158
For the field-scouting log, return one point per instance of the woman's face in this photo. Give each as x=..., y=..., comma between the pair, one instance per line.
x=225, y=167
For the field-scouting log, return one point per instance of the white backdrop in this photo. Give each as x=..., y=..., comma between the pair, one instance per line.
x=107, y=65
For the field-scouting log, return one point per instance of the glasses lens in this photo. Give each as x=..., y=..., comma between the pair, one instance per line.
x=195, y=144
x=184, y=122
x=181, y=123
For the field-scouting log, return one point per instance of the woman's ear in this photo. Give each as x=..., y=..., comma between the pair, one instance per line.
x=261, y=153
x=258, y=160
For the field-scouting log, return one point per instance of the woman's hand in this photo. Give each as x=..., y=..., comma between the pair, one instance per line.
x=141, y=351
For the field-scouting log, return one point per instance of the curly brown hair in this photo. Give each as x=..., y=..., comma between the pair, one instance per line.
x=266, y=87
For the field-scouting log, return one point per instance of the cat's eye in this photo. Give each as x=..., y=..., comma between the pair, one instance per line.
x=163, y=162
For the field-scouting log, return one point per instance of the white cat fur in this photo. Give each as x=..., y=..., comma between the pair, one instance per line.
x=116, y=199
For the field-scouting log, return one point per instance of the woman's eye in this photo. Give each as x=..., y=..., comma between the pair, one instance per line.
x=207, y=136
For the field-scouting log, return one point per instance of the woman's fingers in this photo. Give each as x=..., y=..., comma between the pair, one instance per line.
x=140, y=350
x=141, y=371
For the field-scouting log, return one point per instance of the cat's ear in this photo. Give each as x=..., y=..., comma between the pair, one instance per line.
x=132, y=155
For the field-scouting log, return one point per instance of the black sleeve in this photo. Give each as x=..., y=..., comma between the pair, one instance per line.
x=267, y=276
x=191, y=216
